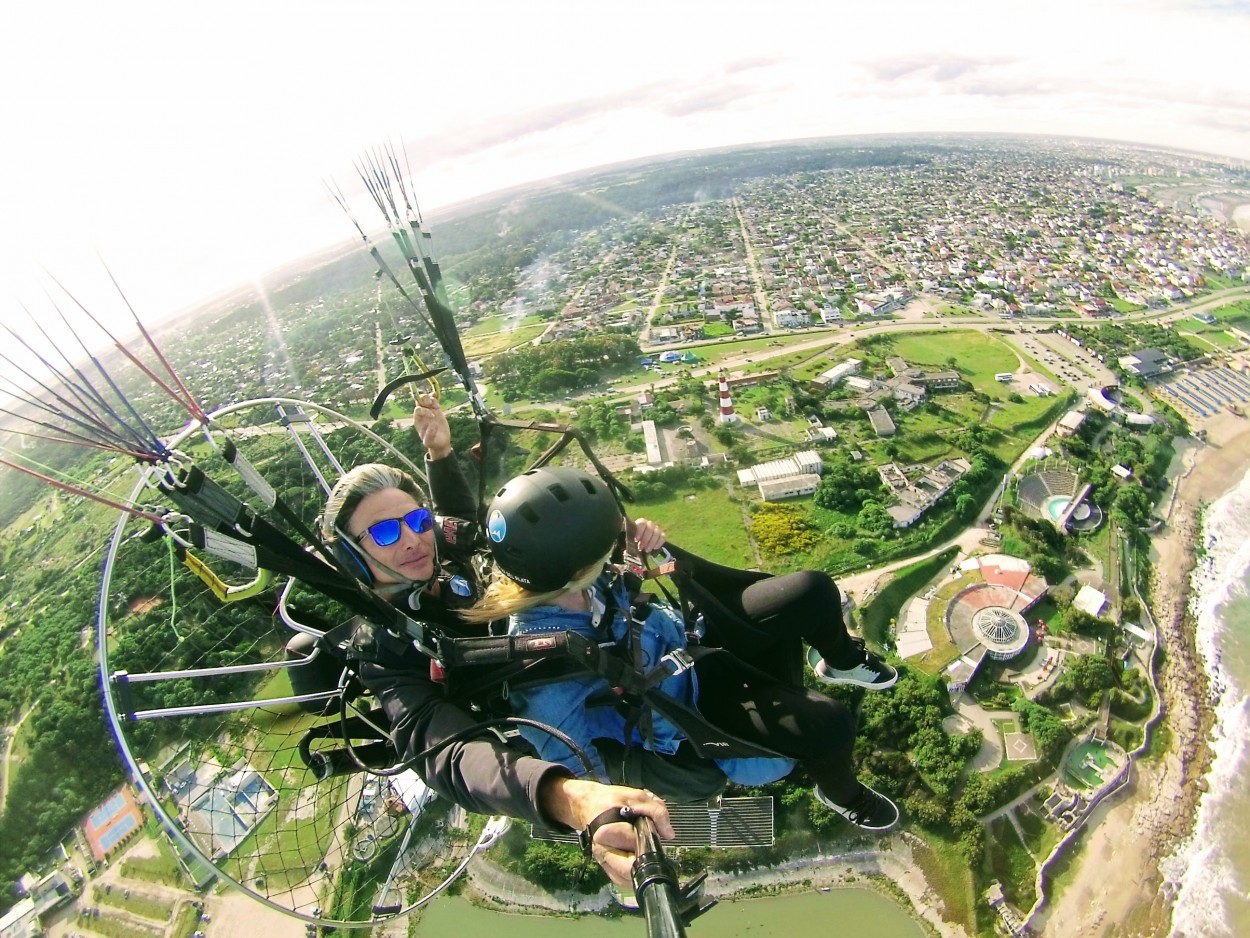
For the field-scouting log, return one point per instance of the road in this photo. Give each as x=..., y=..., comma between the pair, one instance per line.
x=644, y=337
x=5, y=774
x=757, y=281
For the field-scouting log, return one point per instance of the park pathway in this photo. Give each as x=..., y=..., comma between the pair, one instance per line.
x=5, y=773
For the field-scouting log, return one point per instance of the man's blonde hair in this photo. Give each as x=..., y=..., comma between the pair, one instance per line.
x=353, y=487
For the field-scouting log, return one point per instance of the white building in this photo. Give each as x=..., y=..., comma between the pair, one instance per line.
x=651, y=437
x=839, y=371
x=789, y=487
x=1090, y=600
x=784, y=478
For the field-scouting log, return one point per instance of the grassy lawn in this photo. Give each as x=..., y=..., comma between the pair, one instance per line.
x=1124, y=306
x=705, y=521
x=142, y=906
x=1101, y=548
x=1051, y=613
x=1213, y=336
x=1218, y=281
x=1234, y=314
x=1011, y=864
x=476, y=346
x=1040, y=835
x=118, y=926
x=772, y=349
x=943, y=651
x=500, y=323
x=978, y=355
x=187, y=922
x=948, y=874
x=1019, y=424
x=162, y=869
x=877, y=617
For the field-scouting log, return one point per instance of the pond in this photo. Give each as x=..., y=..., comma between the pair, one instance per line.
x=851, y=911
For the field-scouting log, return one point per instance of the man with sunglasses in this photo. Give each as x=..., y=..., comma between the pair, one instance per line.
x=381, y=530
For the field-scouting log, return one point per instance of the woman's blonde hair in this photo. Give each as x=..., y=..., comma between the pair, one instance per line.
x=506, y=597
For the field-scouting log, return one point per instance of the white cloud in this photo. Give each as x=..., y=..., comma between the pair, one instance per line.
x=188, y=144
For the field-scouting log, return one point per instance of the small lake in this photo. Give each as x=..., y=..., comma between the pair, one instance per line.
x=848, y=911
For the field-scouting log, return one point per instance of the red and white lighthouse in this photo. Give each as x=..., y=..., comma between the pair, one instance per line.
x=727, y=414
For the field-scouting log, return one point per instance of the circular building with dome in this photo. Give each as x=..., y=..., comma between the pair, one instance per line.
x=986, y=618
x=1002, y=631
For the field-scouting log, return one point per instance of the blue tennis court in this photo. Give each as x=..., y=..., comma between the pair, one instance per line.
x=101, y=815
x=118, y=832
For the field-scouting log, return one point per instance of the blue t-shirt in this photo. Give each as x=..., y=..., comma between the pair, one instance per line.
x=569, y=704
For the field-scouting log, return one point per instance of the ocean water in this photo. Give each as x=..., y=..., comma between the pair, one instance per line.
x=1211, y=871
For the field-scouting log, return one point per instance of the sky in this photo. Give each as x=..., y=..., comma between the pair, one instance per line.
x=185, y=146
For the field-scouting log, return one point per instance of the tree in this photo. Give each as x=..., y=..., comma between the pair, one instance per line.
x=1048, y=730
x=1133, y=507
x=1088, y=676
x=875, y=520
x=965, y=506
x=845, y=485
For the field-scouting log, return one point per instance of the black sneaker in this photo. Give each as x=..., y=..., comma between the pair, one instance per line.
x=870, y=672
x=870, y=811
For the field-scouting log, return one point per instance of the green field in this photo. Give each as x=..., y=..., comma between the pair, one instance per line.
x=1234, y=314
x=877, y=617
x=500, y=323
x=977, y=355
x=490, y=343
x=1047, y=610
x=772, y=349
x=143, y=906
x=1214, y=335
x=708, y=522
x=1040, y=836
x=1010, y=863
x=162, y=868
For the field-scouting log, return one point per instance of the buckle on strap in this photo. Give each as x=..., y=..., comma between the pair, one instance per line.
x=678, y=660
x=641, y=566
x=675, y=662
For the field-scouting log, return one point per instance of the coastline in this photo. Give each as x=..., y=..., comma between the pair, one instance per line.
x=1138, y=832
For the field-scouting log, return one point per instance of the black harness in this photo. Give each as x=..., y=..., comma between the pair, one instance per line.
x=479, y=669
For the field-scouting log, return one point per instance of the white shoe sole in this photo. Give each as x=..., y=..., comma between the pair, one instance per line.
x=825, y=678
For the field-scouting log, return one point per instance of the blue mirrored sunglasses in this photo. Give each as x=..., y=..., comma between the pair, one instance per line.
x=386, y=532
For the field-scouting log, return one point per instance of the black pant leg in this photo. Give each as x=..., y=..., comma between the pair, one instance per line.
x=817, y=731
x=805, y=605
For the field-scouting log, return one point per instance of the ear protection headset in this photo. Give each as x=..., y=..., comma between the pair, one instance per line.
x=350, y=557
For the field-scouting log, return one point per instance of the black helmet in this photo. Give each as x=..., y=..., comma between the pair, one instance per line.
x=547, y=524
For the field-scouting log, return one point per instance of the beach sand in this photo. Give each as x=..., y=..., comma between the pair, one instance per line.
x=1133, y=833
